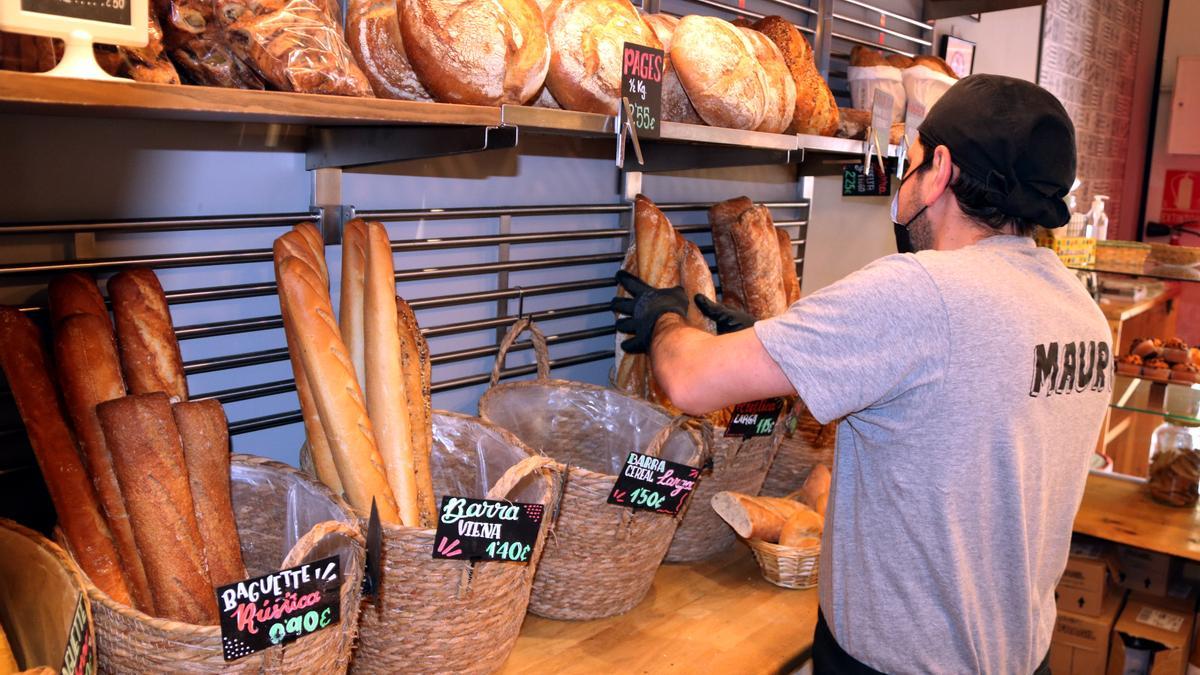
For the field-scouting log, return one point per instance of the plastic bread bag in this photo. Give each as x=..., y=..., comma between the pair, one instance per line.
x=299, y=48
x=864, y=80
x=196, y=42
x=468, y=457
x=142, y=64
x=925, y=86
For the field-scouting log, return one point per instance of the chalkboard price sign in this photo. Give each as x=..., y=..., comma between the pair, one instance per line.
x=107, y=11
x=641, y=84
x=80, y=657
x=755, y=418
x=265, y=611
x=653, y=484
x=486, y=529
x=857, y=183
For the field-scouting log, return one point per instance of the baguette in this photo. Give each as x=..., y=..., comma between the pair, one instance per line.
x=26, y=367
x=76, y=293
x=657, y=265
x=816, y=485
x=387, y=402
x=627, y=369
x=756, y=517
x=316, y=248
x=89, y=373
x=150, y=355
x=787, y=260
x=696, y=279
x=802, y=528
x=350, y=307
x=335, y=389
x=414, y=359
x=204, y=433
x=723, y=217
x=318, y=444
x=757, y=249
x=144, y=441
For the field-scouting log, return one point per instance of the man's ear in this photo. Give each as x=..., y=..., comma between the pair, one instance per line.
x=943, y=174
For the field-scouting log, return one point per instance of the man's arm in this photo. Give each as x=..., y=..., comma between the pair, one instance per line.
x=701, y=373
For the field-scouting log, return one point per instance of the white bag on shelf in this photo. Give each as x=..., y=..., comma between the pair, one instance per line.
x=864, y=80
x=925, y=85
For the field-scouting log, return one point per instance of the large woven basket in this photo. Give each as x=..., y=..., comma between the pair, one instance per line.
x=600, y=558
x=737, y=465
x=40, y=588
x=451, y=616
x=284, y=518
x=787, y=566
x=805, y=444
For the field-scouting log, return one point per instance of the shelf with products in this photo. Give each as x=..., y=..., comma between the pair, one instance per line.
x=1119, y=508
x=1179, y=402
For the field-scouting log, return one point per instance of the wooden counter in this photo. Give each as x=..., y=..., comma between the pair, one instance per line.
x=717, y=616
x=1120, y=510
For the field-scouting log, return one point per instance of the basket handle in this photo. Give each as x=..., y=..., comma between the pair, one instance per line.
x=656, y=443
x=541, y=352
x=517, y=472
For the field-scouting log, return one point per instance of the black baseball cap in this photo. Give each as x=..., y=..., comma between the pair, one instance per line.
x=1012, y=136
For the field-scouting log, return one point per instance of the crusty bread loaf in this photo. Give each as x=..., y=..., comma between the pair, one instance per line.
x=801, y=528
x=150, y=356
x=756, y=517
x=865, y=57
x=676, y=107
x=204, y=433
x=587, y=40
x=373, y=33
x=781, y=88
x=415, y=365
x=816, y=109
x=934, y=63
x=747, y=252
x=719, y=71
x=853, y=123
x=27, y=369
x=696, y=279
x=815, y=486
x=899, y=60
x=481, y=52
x=76, y=293
x=630, y=368
x=722, y=218
x=148, y=458
x=89, y=373
x=787, y=261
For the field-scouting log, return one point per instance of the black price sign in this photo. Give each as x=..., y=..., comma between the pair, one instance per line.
x=486, y=529
x=641, y=84
x=108, y=11
x=856, y=182
x=653, y=484
x=755, y=418
x=80, y=657
x=265, y=611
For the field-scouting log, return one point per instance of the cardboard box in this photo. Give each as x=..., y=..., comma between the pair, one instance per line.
x=1154, y=634
x=1180, y=597
x=1090, y=569
x=1079, y=645
x=1144, y=571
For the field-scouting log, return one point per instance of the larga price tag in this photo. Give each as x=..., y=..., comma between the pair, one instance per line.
x=856, y=182
x=265, y=611
x=653, y=484
x=486, y=529
x=641, y=83
x=80, y=657
x=755, y=418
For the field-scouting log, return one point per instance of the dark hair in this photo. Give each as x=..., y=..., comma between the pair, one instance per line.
x=970, y=195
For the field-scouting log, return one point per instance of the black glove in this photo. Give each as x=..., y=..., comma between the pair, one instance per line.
x=729, y=320
x=644, y=308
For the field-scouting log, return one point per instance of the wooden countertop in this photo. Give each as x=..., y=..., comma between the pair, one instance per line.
x=1120, y=510
x=716, y=616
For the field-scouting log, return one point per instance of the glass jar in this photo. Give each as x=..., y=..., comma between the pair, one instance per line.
x=1175, y=463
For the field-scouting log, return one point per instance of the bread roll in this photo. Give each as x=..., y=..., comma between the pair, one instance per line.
x=414, y=361
x=150, y=355
x=801, y=528
x=781, y=89
x=89, y=373
x=756, y=517
x=587, y=39
x=481, y=52
x=787, y=260
x=676, y=107
x=150, y=466
x=373, y=33
x=817, y=484
x=816, y=110
x=76, y=293
x=719, y=71
x=27, y=370
x=335, y=389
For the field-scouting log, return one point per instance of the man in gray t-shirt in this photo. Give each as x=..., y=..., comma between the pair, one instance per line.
x=970, y=377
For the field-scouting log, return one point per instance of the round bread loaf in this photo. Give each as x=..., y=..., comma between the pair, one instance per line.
x=481, y=52
x=675, y=104
x=816, y=110
x=373, y=33
x=720, y=73
x=587, y=38
x=781, y=88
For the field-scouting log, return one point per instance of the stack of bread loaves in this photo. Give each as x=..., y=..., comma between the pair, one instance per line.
x=363, y=384
x=796, y=520
x=146, y=511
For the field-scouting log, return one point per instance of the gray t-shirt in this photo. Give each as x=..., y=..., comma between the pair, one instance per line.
x=972, y=384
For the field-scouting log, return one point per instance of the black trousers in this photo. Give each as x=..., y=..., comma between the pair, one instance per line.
x=829, y=657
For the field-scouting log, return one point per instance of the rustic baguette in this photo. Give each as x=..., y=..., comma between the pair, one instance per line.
x=696, y=279
x=757, y=251
x=204, y=433
x=150, y=355
x=414, y=359
x=350, y=307
x=787, y=261
x=27, y=369
x=657, y=265
x=89, y=373
x=718, y=69
x=373, y=32
x=316, y=248
x=723, y=218
x=76, y=293
x=756, y=517
x=144, y=441
x=335, y=390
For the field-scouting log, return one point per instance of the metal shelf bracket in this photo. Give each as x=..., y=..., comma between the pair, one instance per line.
x=352, y=146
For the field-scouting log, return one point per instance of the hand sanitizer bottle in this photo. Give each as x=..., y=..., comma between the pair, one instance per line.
x=1097, y=220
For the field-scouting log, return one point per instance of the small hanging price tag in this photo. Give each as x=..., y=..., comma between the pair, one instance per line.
x=857, y=182
x=80, y=656
x=486, y=529
x=653, y=484
x=754, y=418
x=641, y=84
x=265, y=611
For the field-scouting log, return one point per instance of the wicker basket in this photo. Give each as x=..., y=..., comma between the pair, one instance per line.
x=40, y=589
x=450, y=616
x=274, y=505
x=738, y=465
x=806, y=445
x=787, y=566
x=600, y=559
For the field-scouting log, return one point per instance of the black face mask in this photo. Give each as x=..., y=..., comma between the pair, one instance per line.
x=903, y=240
